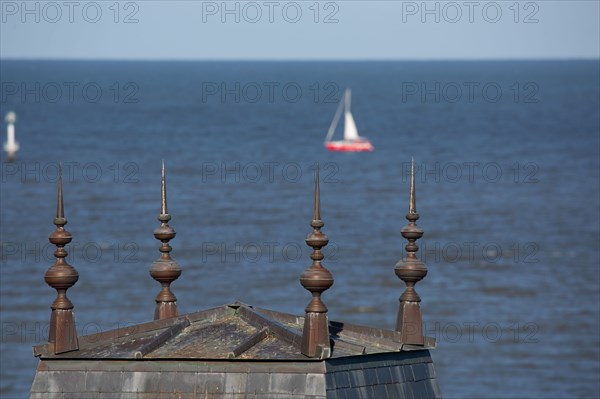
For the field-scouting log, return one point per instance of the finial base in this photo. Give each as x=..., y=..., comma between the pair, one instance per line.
x=315, y=335
x=62, y=331
x=165, y=310
x=410, y=323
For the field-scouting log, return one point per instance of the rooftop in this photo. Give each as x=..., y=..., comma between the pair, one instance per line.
x=237, y=350
x=237, y=331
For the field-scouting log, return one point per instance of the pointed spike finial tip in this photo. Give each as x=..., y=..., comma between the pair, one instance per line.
x=163, y=208
x=317, y=210
x=413, y=203
x=60, y=210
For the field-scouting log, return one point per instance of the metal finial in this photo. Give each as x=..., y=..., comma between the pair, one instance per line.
x=61, y=276
x=163, y=209
x=317, y=210
x=60, y=209
x=412, y=206
x=165, y=270
x=316, y=279
x=411, y=270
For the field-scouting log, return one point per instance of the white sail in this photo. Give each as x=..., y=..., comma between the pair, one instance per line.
x=350, y=131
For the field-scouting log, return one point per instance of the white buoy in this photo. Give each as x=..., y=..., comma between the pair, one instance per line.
x=11, y=146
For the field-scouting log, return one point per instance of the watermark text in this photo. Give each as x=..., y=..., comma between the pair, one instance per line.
x=470, y=92
x=72, y=172
x=254, y=12
x=472, y=172
x=69, y=92
x=455, y=12
x=55, y=12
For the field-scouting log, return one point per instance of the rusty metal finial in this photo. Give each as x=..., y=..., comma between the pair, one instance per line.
x=411, y=270
x=316, y=279
x=163, y=191
x=61, y=276
x=412, y=206
x=317, y=205
x=165, y=270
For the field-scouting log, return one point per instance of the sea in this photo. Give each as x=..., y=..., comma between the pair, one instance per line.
x=506, y=156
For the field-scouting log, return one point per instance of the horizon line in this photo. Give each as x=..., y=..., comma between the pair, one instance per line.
x=491, y=59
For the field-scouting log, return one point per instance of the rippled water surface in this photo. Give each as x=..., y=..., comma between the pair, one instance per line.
x=507, y=157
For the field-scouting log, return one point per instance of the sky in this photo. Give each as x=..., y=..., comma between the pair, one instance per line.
x=299, y=30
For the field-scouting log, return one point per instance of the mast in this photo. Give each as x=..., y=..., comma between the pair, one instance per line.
x=348, y=95
x=336, y=119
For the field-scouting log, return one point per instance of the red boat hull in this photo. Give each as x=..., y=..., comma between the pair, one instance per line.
x=349, y=146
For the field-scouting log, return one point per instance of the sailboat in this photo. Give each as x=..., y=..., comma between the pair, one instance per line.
x=352, y=142
x=11, y=146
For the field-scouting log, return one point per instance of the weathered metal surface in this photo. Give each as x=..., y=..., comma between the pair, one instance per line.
x=182, y=365
x=246, y=332
x=61, y=276
x=271, y=348
x=113, y=343
x=287, y=333
x=165, y=270
x=409, y=321
x=162, y=338
x=253, y=340
x=206, y=340
x=316, y=279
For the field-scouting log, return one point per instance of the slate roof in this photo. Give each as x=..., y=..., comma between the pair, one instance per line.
x=232, y=352
x=409, y=375
x=236, y=331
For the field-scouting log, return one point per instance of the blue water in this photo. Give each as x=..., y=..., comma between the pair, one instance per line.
x=507, y=157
